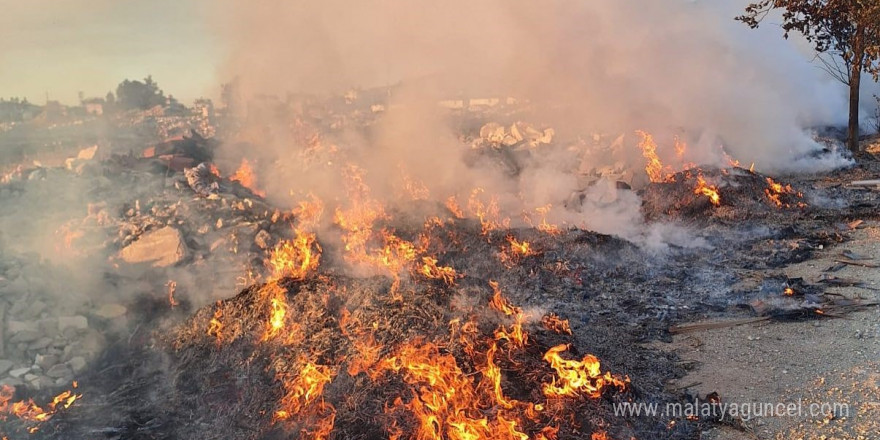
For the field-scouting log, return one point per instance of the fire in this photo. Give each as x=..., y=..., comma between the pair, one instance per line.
x=543, y=225
x=303, y=399
x=521, y=248
x=710, y=191
x=172, y=287
x=554, y=323
x=775, y=191
x=487, y=213
x=215, y=326
x=247, y=178
x=578, y=377
x=655, y=169
x=29, y=411
x=295, y=258
x=446, y=402
x=432, y=271
x=452, y=206
x=277, y=312
x=516, y=335
x=788, y=291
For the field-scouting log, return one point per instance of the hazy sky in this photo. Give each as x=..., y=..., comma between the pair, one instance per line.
x=65, y=46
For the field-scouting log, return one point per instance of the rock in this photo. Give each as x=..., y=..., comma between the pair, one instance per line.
x=48, y=326
x=5, y=365
x=26, y=336
x=77, y=364
x=40, y=344
x=161, y=248
x=11, y=382
x=19, y=372
x=111, y=311
x=77, y=322
x=46, y=361
x=59, y=371
x=15, y=327
x=263, y=239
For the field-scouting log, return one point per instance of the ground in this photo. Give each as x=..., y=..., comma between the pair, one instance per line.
x=819, y=361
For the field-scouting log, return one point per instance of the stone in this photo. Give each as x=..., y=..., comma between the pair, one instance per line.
x=48, y=326
x=5, y=365
x=263, y=239
x=21, y=326
x=40, y=344
x=11, y=382
x=77, y=364
x=59, y=370
x=160, y=248
x=19, y=372
x=77, y=322
x=46, y=361
x=111, y=311
x=26, y=336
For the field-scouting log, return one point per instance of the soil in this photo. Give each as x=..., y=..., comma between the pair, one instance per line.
x=834, y=360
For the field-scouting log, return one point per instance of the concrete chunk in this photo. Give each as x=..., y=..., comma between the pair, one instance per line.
x=161, y=248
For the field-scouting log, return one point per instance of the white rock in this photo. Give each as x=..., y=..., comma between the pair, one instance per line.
x=5, y=365
x=21, y=326
x=77, y=363
x=19, y=372
x=78, y=322
x=110, y=311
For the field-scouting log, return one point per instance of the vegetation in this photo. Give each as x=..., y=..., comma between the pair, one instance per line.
x=844, y=33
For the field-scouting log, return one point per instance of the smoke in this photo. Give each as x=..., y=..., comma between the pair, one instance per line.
x=609, y=67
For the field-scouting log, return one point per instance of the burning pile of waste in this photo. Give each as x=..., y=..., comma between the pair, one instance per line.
x=720, y=193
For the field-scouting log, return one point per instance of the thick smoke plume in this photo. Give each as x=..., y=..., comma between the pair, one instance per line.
x=606, y=67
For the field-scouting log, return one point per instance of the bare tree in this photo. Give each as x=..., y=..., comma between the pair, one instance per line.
x=844, y=33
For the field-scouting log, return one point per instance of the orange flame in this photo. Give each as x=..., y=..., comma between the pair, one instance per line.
x=172, y=287
x=710, y=191
x=554, y=323
x=295, y=258
x=655, y=169
x=576, y=378
x=247, y=178
x=775, y=191
x=432, y=271
x=29, y=411
x=215, y=326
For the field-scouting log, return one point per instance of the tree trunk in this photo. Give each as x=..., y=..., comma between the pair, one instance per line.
x=852, y=132
x=855, y=77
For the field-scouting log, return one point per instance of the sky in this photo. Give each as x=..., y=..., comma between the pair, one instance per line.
x=62, y=47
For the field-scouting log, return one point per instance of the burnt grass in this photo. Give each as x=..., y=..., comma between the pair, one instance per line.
x=170, y=379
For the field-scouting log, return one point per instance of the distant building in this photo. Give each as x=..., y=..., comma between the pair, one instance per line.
x=94, y=106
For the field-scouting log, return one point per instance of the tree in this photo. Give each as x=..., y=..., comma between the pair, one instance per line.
x=139, y=95
x=844, y=33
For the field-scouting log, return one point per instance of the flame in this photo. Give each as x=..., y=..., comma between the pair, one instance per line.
x=215, y=326
x=303, y=399
x=446, y=402
x=522, y=248
x=599, y=435
x=29, y=411
x=775, y=191
x=515, y=335
x=576, y=378
x=247, y=178
x=487, y=213
x=295, y=258
x=172, y=287
x=214, y=170
x=432, y=271
x=788, y=291
x=543, y=225
x=452, y=206
x=710, y=191
x=655, y=169
x=554, y=323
